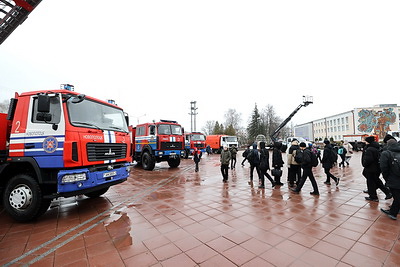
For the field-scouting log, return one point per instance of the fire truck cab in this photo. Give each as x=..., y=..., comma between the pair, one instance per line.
x=156, y=142
x=59, y=143
x=194, y=140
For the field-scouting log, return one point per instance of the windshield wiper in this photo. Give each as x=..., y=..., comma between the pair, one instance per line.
x=118, y=128
x=89, y=124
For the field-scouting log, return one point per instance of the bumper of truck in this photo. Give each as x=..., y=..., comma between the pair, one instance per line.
x=79, y=181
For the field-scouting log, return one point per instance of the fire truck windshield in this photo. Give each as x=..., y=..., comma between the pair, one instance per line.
x=198, y=137
x=96, y=115
x=166, y=129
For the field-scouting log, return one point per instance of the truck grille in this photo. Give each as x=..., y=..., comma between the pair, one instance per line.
x=105, y=151
x=171, y=146
x=199, y=145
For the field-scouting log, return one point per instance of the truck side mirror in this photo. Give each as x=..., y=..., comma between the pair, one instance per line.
x=43, y=103
x=42, y=116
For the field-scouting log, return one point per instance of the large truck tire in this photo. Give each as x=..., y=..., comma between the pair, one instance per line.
x=97, y=193
x=186, y=153
x=23, y=198
x=148, y=161
x=174, y=162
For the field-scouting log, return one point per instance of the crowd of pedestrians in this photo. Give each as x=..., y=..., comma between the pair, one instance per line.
x=301, y=159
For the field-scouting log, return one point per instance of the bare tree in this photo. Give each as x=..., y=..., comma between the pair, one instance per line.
x=4, y=106
x=233, y=119
x=209, y=127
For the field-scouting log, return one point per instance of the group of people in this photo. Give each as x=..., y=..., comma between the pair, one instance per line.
x=302, y=158
x=385, y=160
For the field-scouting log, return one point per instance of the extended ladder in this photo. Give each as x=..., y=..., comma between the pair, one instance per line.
x=12, y=14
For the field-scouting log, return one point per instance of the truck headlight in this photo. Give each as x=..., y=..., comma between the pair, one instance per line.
x=160, y=153
x=70, y=178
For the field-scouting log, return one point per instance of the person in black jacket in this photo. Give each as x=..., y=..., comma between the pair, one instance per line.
x=245, y=154
x=328, y=159
x=390, y=171
x=264, y=166
x=371, y=171
x=306, y=165
x=254, y=160
x=277, y=162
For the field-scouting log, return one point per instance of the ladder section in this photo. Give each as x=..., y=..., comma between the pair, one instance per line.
x=13, y=14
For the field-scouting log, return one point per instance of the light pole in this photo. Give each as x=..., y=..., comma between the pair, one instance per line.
x=193, y=114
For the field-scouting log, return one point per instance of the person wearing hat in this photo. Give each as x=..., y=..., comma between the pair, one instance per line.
x=306, y=165
x=294, y=169
x=370, y=162
x=277, y=163
x=391, y=173
x=329, y=157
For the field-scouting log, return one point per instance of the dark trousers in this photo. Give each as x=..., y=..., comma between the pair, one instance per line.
x=244, y=161
x=233, y=162
x=266, y=174
x=197, y=166
x=224, y=171
x=294, y=174
x=307, y=172
x=343, y=157
x=373, y=183
x=252, y=167
x=395, y=208
x=329, y=175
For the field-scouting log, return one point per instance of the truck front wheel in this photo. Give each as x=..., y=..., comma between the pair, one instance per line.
x=174, y=162
x=23, y=198
x=148, y=161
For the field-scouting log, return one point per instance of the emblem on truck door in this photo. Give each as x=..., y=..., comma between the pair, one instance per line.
x=50, y=144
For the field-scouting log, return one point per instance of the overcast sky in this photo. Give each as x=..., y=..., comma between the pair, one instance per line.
x=154, y=57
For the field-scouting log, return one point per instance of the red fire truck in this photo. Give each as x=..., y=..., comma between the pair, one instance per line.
x=194, y=140
x=59, y=143
x=157, y=142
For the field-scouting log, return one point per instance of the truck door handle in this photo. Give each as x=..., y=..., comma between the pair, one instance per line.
x=29, y=145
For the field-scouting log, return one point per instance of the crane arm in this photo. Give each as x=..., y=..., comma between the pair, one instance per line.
x=306, y=101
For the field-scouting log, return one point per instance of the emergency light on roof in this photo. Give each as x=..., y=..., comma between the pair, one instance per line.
x=68, y=87
x=111, y=101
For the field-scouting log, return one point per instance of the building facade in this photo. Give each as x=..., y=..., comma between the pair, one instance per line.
x=377, y=120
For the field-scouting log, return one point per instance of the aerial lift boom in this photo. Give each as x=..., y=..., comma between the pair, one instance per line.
x=12, y=14
x=306, y=101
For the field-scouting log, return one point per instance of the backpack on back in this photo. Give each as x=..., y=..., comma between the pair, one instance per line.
x=395, y=162
x=299, y=156
x=314, y=160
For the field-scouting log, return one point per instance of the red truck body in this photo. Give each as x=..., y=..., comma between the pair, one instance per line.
x=157, y=142
x=59, y=144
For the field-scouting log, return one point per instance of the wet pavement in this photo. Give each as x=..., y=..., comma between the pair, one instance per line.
x=177, y=217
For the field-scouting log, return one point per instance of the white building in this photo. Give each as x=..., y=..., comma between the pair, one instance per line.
x=377, y=120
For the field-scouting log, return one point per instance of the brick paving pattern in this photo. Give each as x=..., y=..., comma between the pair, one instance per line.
x=177, y=217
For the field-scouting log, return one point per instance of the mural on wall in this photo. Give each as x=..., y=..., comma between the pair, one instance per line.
x=376, y=122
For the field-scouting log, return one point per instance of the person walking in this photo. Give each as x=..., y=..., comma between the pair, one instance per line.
x=307, y=164
x=208, y=150
x=264, y=166
x=342, y=151
x=254, y=160
x=277, y=163
x=370, y=161
x=225, y=158
x=233, y=151
x=196, y=158
x=294, y=169
x=329, y=158
x=390, y=167
x=245, y=154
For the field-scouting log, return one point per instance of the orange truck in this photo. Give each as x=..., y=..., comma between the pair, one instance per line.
x=217, y=142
